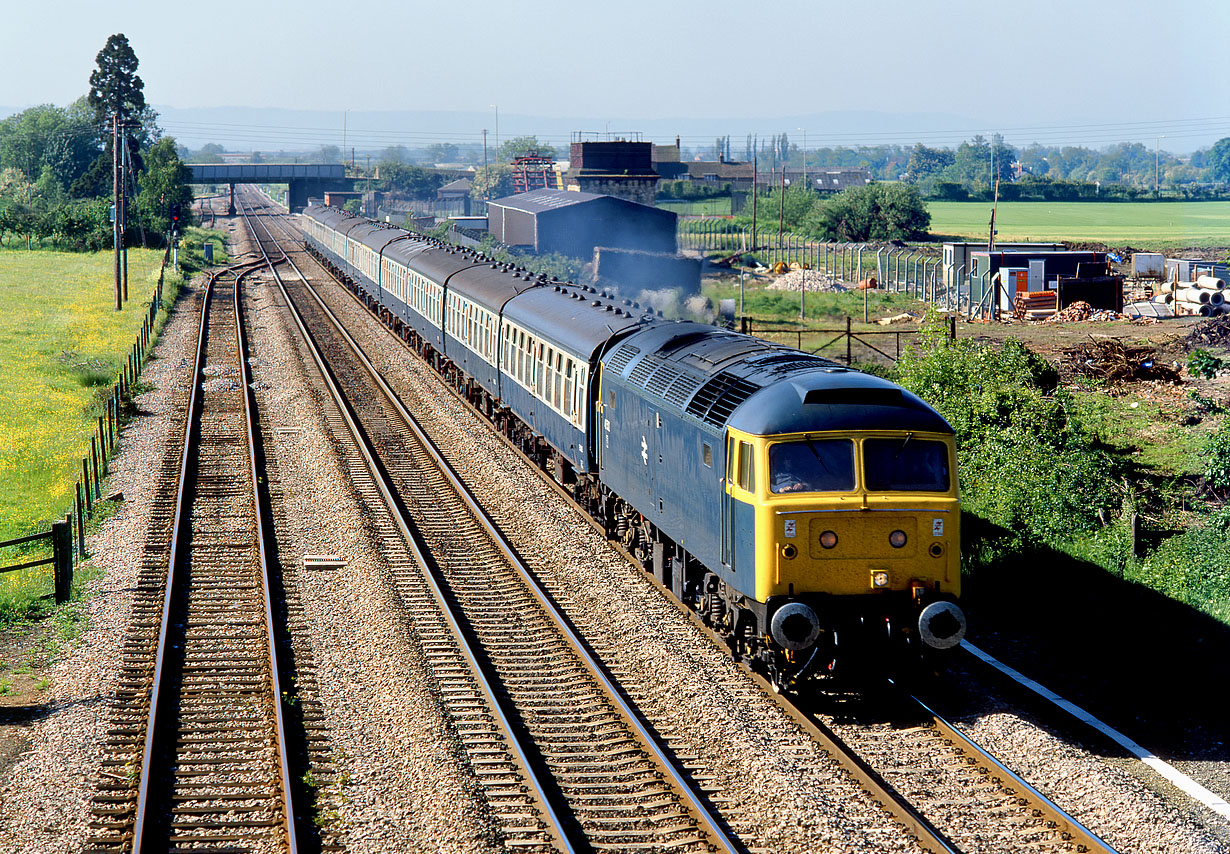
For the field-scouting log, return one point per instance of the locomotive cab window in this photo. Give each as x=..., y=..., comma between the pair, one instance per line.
x=747, y=467
x=905, y=465
x=706, y=454
x=812, y=466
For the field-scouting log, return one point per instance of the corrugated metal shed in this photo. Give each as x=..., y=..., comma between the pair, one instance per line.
x=574, y=223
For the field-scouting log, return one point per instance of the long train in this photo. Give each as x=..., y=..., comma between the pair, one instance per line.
x=808, y=512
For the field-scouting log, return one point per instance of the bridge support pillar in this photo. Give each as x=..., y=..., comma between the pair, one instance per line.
x=230, y=211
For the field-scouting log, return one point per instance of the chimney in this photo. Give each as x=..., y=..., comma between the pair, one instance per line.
x=676, y=142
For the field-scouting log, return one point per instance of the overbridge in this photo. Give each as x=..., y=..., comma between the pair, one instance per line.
x=304, y=179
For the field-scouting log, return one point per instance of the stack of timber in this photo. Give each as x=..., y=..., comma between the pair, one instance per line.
x=1036, y=305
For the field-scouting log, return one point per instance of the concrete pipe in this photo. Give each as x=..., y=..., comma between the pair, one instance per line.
x=1216, y=298
x=1211, y=283
x=1199, y=295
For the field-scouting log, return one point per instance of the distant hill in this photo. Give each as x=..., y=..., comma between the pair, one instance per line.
x=272, y=129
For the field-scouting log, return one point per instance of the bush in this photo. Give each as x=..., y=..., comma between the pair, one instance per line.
x=874, y=212
x=1217, y=469
x=1193, y=567
x=1028, y=461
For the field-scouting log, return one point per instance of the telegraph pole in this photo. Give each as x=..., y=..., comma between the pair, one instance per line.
x=115, y=202
x=486, y=176
x=124, y=167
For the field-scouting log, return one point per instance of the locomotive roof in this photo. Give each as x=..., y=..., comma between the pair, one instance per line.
x=835, y=399
x=713, y=375
x=579, y=319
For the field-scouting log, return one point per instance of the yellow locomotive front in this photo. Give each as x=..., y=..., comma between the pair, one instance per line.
x=856, y=547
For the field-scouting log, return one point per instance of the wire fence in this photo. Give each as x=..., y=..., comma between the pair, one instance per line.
x=896, y=269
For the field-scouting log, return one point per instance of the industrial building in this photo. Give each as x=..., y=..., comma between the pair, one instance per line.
x=574, y=223
x=621, y=168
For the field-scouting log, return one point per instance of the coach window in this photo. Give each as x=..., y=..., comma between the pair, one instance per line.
x=570, y=408
x=558, y=377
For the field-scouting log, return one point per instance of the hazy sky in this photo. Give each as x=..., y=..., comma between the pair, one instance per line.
x=1069, y=71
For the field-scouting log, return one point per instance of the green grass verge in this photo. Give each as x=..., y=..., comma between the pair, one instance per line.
x=1150, y=224
x=696, y=207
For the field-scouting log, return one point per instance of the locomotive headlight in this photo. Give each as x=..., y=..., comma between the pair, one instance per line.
x=897, y=539
x=879, y=579
x=828, y=539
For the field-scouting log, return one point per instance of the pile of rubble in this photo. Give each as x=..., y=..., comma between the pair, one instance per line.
x=816, y=281
x=1114, y=361
x=1081, y=311
x=1214, y=332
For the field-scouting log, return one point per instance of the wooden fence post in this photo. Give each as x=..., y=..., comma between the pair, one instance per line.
x=97, y=478
x=102, y=444
x=62, y=555
x=80, y=521
x=849, y=343
x=85, y=477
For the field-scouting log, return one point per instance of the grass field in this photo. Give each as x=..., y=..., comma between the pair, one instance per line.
x=61, y=346
x=1140, y=224
x=699, y=207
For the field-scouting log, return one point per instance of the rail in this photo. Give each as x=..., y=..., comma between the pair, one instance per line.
x=1084, y=838
x=161, y=696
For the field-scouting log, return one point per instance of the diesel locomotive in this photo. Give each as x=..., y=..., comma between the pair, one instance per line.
x=808, y=512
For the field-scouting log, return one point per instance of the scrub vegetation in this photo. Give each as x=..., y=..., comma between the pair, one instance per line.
x=1049, y=471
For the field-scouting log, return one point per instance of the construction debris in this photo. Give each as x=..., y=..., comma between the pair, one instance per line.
x=904, y=317
x=1214, y=332
x=816, y=281
x=1081, y=311
x=1116, y=362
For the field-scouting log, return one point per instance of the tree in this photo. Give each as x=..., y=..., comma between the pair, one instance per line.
x=395, y=154
x=115, y=87
x=518, y=146
x=492, y=182
x=326, y=154
x=926, y=161
x=1219, y=160
x=442, y=152
x=164, y=185
x=880, y=211
x=406, y=180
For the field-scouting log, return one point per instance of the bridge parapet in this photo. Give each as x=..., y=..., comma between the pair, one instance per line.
x=262, y=173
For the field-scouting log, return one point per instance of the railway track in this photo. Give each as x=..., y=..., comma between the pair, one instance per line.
x=533, y=709
x=197, y=758
x=1009, y=808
